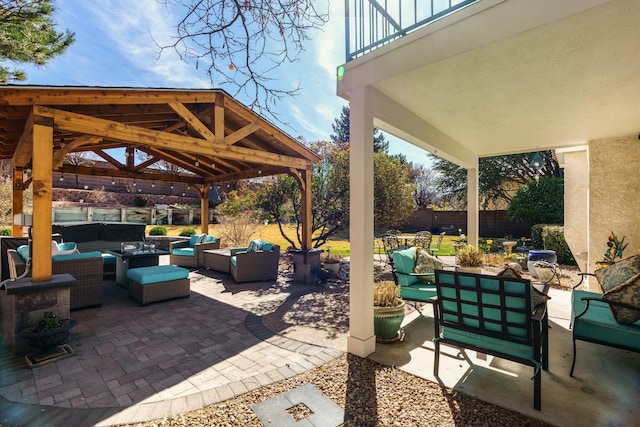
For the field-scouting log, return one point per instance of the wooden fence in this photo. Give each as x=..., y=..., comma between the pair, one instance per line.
x=492, y=223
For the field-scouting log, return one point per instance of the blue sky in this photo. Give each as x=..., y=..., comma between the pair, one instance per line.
x=115, y=47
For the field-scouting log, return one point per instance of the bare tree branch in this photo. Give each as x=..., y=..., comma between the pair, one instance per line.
x=243, y=42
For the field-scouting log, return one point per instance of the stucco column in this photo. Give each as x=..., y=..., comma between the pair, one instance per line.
x=473, y=215
x=362, y=341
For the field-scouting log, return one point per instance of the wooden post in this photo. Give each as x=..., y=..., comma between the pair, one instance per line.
x=42, y=198
x=307, y=221
x=18, y=199
x=204, y=208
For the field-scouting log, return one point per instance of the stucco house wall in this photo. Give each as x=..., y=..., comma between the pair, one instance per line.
x=576, y=203
x=614, y=199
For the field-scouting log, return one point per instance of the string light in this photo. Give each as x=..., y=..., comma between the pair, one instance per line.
x=113, y=181
x=197, y=163
x=62, y=177
x=134, y=182
x=172, y=185
x=153, y=184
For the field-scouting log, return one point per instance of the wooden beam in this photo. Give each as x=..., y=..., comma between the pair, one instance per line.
x=74, y=122
x=218, y=117
x=24, y=149
x=241, y=133
x=193, y=121
x=58, y=156
x=204, y=208
x=118, y=173
x=42, y=202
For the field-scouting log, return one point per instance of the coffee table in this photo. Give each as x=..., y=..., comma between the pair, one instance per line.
x=134, y=259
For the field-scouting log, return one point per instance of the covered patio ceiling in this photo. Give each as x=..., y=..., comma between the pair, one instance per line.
x=503, y=77
x=207, y=134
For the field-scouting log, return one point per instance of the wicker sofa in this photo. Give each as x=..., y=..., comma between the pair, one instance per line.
x=85, y=267
x=190, y=253
x=256, y=266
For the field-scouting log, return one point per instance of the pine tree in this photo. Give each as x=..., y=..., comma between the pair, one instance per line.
x=341, y=137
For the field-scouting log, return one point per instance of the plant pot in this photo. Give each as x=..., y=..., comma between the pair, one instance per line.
x=333, y=267
x=45, y=340
x=387, y=321
x=475, y=270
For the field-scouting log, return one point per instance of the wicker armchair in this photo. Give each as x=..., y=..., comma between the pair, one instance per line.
x=254, y=266
x=189, y=253
x=87, y=292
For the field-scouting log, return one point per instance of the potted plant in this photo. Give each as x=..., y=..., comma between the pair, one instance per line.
x=470, y=259
x=49, y=332
x=331, y=262
x=388, y=311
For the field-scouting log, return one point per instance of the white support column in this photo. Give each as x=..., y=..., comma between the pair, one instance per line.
x=362, y=341
x=473, y=215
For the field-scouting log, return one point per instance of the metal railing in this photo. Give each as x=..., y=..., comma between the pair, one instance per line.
x=370, y=24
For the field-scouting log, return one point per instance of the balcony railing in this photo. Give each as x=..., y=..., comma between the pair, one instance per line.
x=374, y=23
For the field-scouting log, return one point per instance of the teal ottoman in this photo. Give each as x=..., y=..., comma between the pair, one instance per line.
x=158, y=283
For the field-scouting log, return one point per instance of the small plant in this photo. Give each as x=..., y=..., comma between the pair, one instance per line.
x=470, y=256
x=330, y=258
x=187, y=232
x=615, y=248
x=386, y=294
x=158, y=230
x=48, y=322
x=5, y=231
x=140, y=201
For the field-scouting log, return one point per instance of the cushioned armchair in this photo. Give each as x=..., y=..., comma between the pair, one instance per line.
x=190, y=253
x=86, y=267
x=255, y=265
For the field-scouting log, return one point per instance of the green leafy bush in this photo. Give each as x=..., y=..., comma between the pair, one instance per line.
x=539, y=202
x=553, y=237
x=158, y=230
x=140, y=201
x=5, y=231
x=187, y=232
x=536, y=236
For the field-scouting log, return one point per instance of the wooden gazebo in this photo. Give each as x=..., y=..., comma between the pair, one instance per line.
x=206, y=133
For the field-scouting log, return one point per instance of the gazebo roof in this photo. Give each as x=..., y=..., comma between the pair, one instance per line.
x=209, y=135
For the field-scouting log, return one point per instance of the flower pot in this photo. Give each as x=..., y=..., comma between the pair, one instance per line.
x=45, y=340
x=387, y=321
x=475, y=270
x=333, y=267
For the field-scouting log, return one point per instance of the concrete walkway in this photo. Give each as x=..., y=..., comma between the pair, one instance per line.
x=137, y=363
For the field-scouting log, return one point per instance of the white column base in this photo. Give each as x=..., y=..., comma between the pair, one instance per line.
x=361, y=348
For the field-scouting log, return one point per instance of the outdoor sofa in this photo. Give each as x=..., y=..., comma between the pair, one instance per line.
x=257, y=262
x=85, y=267
x=190, y=253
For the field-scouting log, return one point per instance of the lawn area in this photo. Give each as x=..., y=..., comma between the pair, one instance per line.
x=338, y=244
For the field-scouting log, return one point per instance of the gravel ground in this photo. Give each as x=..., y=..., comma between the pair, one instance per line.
x=371, y=393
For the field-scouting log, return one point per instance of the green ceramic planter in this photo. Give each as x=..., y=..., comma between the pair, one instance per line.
x=387, y=321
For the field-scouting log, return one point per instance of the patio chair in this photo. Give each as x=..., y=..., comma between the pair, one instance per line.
x=256, y=265
x=190, y=253
x=423, y=240
x=494, y=315
x=435, y=249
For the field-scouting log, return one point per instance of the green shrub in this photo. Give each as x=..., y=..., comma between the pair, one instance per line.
x=553, y=237
x=140, y=201
x=538, y=202
x=187, y=232
x=158, y=230
x=5, y=231
x=536, y=236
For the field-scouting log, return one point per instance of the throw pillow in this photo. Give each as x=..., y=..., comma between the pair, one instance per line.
x=255, y=245
x=54, y=248
x=628, y=293
x=426, y=264
x=194, y=240
x=267, y=246
x=538, y=297
x=618, y=273
x=23, y=251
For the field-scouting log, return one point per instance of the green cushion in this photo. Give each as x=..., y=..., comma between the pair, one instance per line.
x=598, y=323
x=209, y=239
x=23, y=251
x=267, y=246
x=67, y=246
x=628, y=293
x=404, y=261
x=506, y=347
x=108, y=259
x=78, y=255
x=420, y=291
x=618, y=273
x=233, y=260
x=195, y=239
x=157, y=274
x=184, y=251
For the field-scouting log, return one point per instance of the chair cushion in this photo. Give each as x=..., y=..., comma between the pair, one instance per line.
x=157, y=274
x=404, y=261
x=421, y=291
x=598, y=324
x=618, y=273
x=108, y=259
x=184, y=251
x=426, y=263
x=210, y=239
x=255, y=245
x=23, y=251
x=537, y=297
x=267, y=246
x=233, y=260
x=507, y=347
x=196, y=239
x=629, y=293
x=77, y=255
